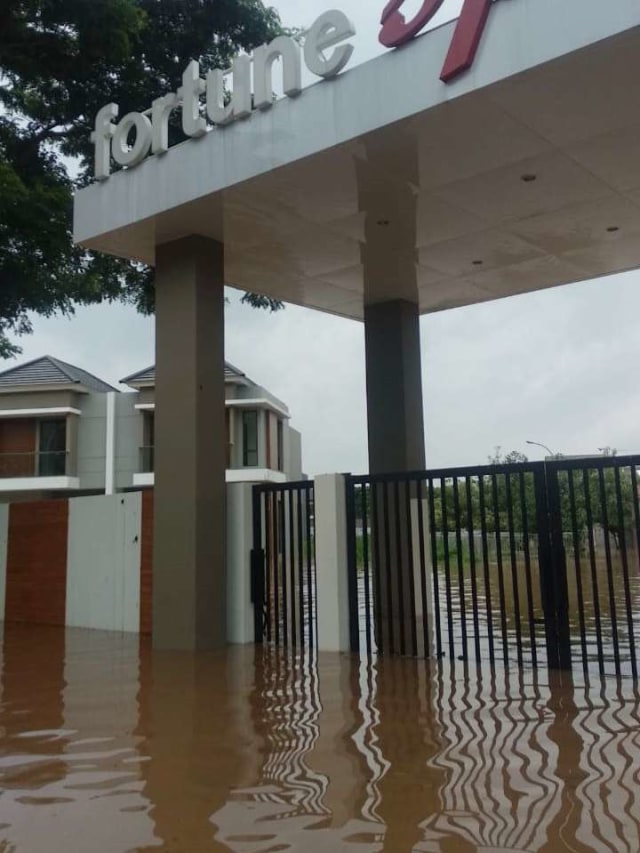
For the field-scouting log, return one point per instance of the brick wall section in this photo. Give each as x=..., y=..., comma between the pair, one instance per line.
x=17, y=447
x=146, y=562
x=37, y=562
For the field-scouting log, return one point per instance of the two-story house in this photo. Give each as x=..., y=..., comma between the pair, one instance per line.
x=261, y=446
x=65, y=432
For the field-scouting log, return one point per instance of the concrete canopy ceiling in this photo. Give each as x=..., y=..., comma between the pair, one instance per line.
x=524, y=175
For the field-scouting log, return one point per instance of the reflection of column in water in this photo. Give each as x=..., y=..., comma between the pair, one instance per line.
x=501, y=789
x=335, y=756
x=32, y=728
x=407, y=737
x=200, y=742
x=366, y=740
x=101, y=708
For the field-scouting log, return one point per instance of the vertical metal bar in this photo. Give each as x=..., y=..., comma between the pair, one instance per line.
x=376, y=527
x=636, y=508
x=503, y=604
x=461, y=590
x=434, y=560
x=485, y=565
x=400, y=567
x=282, y=551
x=365, y=567
x=300, y=577
x=268, y=527
x=594, y=570
x=423, y=568
x=545, y=566
x=625, y=571
x=610, y=584
x=257, y=567
x=472, y=568
x=560, y=590
x=276, y=564
x=352, y=564
x=292, y=568
x=311, y=567
x=578, y=570
x=514, y=569
x=387, y=554
x=447, y=565
x=527, y=569
x=411, y=592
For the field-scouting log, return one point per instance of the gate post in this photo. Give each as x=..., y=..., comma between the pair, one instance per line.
x=553, y=568
x=332, y=583
x=240, y=608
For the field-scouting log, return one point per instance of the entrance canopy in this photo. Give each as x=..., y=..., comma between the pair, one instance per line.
x=386, y=183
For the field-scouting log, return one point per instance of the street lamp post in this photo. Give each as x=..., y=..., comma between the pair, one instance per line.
x=538, y=444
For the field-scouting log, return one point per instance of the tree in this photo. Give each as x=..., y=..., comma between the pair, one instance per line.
x=59, y=63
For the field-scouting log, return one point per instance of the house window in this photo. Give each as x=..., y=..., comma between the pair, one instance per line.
x=52, y=448
x=250, y=438
x=280, y=445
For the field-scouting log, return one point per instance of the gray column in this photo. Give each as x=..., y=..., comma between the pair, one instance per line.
x=189, y=589
x=394, y=387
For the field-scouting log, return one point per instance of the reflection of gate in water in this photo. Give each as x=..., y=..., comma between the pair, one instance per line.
x=283, y=570
x=534, y=564
x=399, y=754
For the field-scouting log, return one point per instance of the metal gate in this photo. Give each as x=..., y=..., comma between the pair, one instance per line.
x=283, y=566
x=534, y=564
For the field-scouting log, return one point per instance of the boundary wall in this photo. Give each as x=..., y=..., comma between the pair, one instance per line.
x=88, y=563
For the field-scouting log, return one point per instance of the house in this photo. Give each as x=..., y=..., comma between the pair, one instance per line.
x=261, y=446
x=64, y=432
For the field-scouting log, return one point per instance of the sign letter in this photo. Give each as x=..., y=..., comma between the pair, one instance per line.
x=396, y=31
x=466, y=37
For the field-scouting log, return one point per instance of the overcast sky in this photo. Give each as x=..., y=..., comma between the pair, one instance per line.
x=559, y=366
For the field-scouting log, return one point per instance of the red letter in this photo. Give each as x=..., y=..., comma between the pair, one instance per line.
x=466, y=38
x=396, y=31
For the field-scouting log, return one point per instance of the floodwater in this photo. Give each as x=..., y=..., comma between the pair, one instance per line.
x=108, y=747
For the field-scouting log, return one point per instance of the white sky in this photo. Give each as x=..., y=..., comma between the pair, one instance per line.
x=559, y=366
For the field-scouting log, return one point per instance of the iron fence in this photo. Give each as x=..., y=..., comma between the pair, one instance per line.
x=532, y=564
x=283, y=564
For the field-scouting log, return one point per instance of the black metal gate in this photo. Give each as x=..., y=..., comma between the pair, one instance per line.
x=283, y=566
x=534, y=564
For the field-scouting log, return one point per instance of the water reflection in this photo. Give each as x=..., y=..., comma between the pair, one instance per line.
x=105, y=746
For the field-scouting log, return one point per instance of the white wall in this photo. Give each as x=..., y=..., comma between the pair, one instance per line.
x=103, y=563
x=4, y=531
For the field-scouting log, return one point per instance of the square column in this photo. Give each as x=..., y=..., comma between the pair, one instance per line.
x=189, y=583
x=396, y=444
x=394, y=387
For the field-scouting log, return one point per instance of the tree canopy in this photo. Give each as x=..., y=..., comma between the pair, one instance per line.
x=60, y=62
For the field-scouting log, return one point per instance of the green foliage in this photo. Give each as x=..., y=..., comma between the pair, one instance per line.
x=599, y=497
x=59, y=63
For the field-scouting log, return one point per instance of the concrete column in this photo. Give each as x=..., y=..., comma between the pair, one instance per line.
x=189, y=588
x=394, y=387
x=396, y=444
x=332, y=586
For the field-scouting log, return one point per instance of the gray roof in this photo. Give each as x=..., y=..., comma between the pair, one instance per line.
x=149, y=374
x=48, y=371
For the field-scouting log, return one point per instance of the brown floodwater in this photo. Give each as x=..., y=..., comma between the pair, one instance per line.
x=106, y=746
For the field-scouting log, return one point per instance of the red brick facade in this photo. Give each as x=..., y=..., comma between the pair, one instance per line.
x=37, y=563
